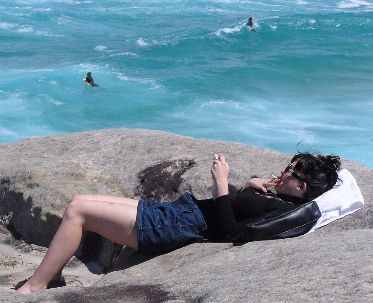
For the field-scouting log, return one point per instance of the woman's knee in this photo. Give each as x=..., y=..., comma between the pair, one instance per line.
x=75, y=208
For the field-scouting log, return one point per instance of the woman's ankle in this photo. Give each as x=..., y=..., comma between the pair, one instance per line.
x=31, y=286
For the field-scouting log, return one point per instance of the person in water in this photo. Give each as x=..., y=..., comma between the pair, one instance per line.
x=250, y=24
x=89, y=79
x=158, y=227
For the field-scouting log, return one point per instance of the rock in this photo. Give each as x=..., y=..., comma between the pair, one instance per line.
x=38, y=177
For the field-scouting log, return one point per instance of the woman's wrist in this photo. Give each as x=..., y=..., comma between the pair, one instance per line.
x=222, y=187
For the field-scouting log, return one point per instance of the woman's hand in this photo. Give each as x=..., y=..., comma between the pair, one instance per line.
x=261, y=184
x=220, y=173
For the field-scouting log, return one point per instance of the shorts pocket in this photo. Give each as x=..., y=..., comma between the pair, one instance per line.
x=189, y=226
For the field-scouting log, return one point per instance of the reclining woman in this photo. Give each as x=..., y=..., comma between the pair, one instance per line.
x=159, y=227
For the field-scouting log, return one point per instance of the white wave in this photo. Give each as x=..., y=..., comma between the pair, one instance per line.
x=153, y=83
x=17, y=14
x=141, y=42
x=14, y=103
x=64, y=20
x=30, y=29
x=312, y=125
x=301, y=2
x=41, y=9
x=122, y=77
x=51, y=82
x=273, y=27
x=84, y=67
x=222, y=104
x=6, y=132
x=106, y=70
x=312, y=21
x=25, y=29
x=71, y=2
x=215, y=10
x=355, y=4
x=229, y=30
x=49, y=99
x=27, y=8
x=6, y=25
x=250, y=2
x=46, y=34
x=124, y=54
x=100, y=48
x=37, y=70
x=271, y=17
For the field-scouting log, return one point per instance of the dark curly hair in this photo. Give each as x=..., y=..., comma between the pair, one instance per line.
x=320, y=172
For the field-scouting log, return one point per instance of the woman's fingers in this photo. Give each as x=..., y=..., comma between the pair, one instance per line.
x=272, y=182
x=261, y=184
x=219, y=160
x=220, y=167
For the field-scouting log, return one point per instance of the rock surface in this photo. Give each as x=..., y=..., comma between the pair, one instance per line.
x=40, y=175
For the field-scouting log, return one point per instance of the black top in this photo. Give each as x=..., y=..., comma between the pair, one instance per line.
x=225, y=216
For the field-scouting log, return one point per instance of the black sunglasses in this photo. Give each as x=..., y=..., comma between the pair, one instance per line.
x=290, y=169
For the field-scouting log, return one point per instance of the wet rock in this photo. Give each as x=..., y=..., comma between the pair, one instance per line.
x=162, y=181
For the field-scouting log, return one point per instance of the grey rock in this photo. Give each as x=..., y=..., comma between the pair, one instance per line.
x=38, y=177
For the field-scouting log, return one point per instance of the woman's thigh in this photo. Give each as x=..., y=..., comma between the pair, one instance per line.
x=114, y=199
x=112, y=220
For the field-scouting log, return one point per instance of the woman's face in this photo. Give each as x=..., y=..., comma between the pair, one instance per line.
x=290, y=185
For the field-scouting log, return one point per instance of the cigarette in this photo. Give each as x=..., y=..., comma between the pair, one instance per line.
x=273, y=177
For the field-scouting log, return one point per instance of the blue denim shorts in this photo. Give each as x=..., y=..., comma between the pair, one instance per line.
x=166, y=226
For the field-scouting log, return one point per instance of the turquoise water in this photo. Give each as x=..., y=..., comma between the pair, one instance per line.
x=192, y=68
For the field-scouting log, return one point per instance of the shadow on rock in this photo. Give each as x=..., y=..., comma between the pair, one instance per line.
x=23, y=220
x=117, y=293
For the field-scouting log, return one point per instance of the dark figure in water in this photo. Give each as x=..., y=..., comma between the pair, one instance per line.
x=250, y=24
x=89, y=79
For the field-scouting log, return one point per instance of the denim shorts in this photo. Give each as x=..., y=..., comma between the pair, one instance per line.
x=166, y=226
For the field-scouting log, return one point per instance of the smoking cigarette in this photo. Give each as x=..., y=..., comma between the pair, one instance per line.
x=273, y=177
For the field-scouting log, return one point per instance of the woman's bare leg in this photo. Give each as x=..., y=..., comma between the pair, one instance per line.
x=114, y=199
x=112, y=220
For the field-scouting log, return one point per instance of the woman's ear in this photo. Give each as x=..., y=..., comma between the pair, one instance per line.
x=303, y=187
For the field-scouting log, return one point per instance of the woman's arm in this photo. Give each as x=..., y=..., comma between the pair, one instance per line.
x=248, y=203
x=220, y=173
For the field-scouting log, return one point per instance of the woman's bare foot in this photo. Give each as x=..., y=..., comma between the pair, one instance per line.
x=30, y=287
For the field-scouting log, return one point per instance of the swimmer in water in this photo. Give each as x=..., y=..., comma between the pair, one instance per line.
x=89, y=79
x=250, y=24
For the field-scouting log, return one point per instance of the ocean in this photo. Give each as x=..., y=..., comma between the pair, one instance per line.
x=302, y=81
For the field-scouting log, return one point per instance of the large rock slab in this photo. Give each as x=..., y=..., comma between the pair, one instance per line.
x=339, y=269
x=40, y=175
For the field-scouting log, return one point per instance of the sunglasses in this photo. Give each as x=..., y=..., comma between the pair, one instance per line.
x=290, y=169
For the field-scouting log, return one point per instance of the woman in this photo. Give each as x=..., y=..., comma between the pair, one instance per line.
x=154, y=227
